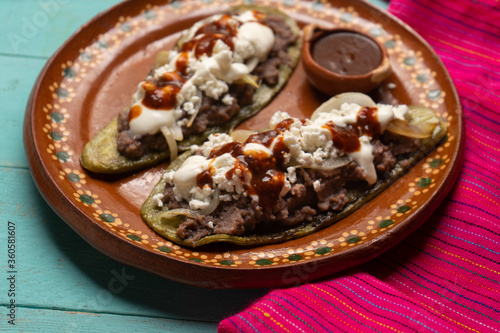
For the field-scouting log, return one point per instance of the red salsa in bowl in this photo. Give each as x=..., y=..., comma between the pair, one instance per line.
x=343, y=60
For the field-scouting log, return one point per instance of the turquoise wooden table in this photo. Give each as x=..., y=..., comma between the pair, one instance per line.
x=58, y=282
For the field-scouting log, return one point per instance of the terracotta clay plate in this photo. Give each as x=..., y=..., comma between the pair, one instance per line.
x=92, y=77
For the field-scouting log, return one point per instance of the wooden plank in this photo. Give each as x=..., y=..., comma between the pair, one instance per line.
x=48, y=320
x=37, y=28
x=57, y=269
x=384, y=4
x=18, y=77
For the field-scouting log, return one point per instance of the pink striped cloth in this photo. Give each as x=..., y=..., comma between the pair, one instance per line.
x=446, y=276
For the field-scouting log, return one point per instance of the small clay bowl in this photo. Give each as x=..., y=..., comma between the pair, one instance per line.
x=343, y=60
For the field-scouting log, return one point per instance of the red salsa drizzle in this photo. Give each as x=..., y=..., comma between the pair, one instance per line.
x=234, y=148
x=258, y=15
x=135, y=111
x=267, y=179
x=163, y=94
x=181, y=63
x=205, y=178
x=222, y=29
x=264, y=138
x=238, y=169
x=347, y=138
x=279, y=151
x=284, y=125
x=367, y=121
x=344, y=138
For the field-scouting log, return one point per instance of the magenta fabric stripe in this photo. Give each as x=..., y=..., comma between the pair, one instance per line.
x=446, y=276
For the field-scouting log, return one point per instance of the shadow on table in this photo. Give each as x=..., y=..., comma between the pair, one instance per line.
x=121, y=288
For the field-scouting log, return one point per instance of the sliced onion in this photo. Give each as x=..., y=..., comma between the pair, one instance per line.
x=241, y=135
x=173, y=213
x=177, y=132
x=329, y=164
x=424, y=118
x=333, y=163
x=214, y=203
x=172, y=143
x=403, y=128
x=196, y=108
x=162, y=58
x=250, y=79
x=336, y=102
x=252, y=63
x=421, y=124
x=440, y=128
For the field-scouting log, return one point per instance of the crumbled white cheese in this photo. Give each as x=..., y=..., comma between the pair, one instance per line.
x=222, y=164
x=225, y=197
x=157, y=199
x=157, y=74
x=277, y=118
x=347, y=114
x=187, y=93
x=316, y=185
x=287, y=186
x=206, y=81
x=314, y=137
x=214, y=141
x=168, y=176
x=227, y=99
x=401, y=112
x=319, y=156
x=221, y=66
x=138, y=95
x=188, y=107
x=291, y=175
x=220, y=46
x=196, y=204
